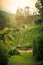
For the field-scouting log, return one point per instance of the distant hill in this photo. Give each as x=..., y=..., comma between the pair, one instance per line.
x=11, y=18
x=8, y=15
x=5, y=19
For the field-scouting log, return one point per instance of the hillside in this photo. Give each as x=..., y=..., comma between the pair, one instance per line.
x=15, y=20
x=8, y=15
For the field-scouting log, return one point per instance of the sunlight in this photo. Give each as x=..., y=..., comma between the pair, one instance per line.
x=12, y=5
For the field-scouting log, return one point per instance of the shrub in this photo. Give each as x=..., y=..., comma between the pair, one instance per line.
x=25, y=46
x=40, y=63
x=3, y=54
x=39, y=21
x=13, y=51
x=38, y=47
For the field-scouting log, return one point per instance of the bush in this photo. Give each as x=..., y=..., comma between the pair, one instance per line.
x=25, y=46
x=13, y=51
x=40, y=63
x=39, y=21
x=3, y=55
x=38, y=47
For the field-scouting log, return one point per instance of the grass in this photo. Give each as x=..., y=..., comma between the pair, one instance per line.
x=23, y=59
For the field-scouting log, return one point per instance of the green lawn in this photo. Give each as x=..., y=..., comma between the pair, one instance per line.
x=23, y=59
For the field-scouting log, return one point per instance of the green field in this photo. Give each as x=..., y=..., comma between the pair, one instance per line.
x=23, y=59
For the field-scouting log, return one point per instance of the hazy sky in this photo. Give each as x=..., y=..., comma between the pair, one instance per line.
x=12, y=5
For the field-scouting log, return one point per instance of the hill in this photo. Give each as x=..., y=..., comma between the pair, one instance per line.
x=8, y=15
x=15, y=20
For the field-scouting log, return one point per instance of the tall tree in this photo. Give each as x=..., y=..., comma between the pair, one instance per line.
x=39, y=5
x=19, y=17
x=26, y=10
x=38, y=37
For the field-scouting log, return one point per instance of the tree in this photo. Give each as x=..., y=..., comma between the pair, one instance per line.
x=26, y=10
x=27, y=15
x=38, y=37
x=39, y=5
x=19, y=17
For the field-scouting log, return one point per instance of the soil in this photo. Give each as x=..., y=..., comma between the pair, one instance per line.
x=30, y=50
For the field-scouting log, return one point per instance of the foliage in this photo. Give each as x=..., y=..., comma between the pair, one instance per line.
x=3, y=54
x=38, y=43
x=39, y=5
x=38, y=37
x=40, y=63
x=26, y=46
x=13, y=51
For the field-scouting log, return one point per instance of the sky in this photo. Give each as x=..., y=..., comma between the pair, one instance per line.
x=12, y=5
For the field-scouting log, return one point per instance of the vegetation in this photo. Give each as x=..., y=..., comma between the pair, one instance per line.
x=23, y=59
x=3, y=54
x=13, y=51
x=21, y=31
x=38, y=39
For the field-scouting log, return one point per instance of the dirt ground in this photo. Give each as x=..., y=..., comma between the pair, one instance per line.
x=30, y=50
